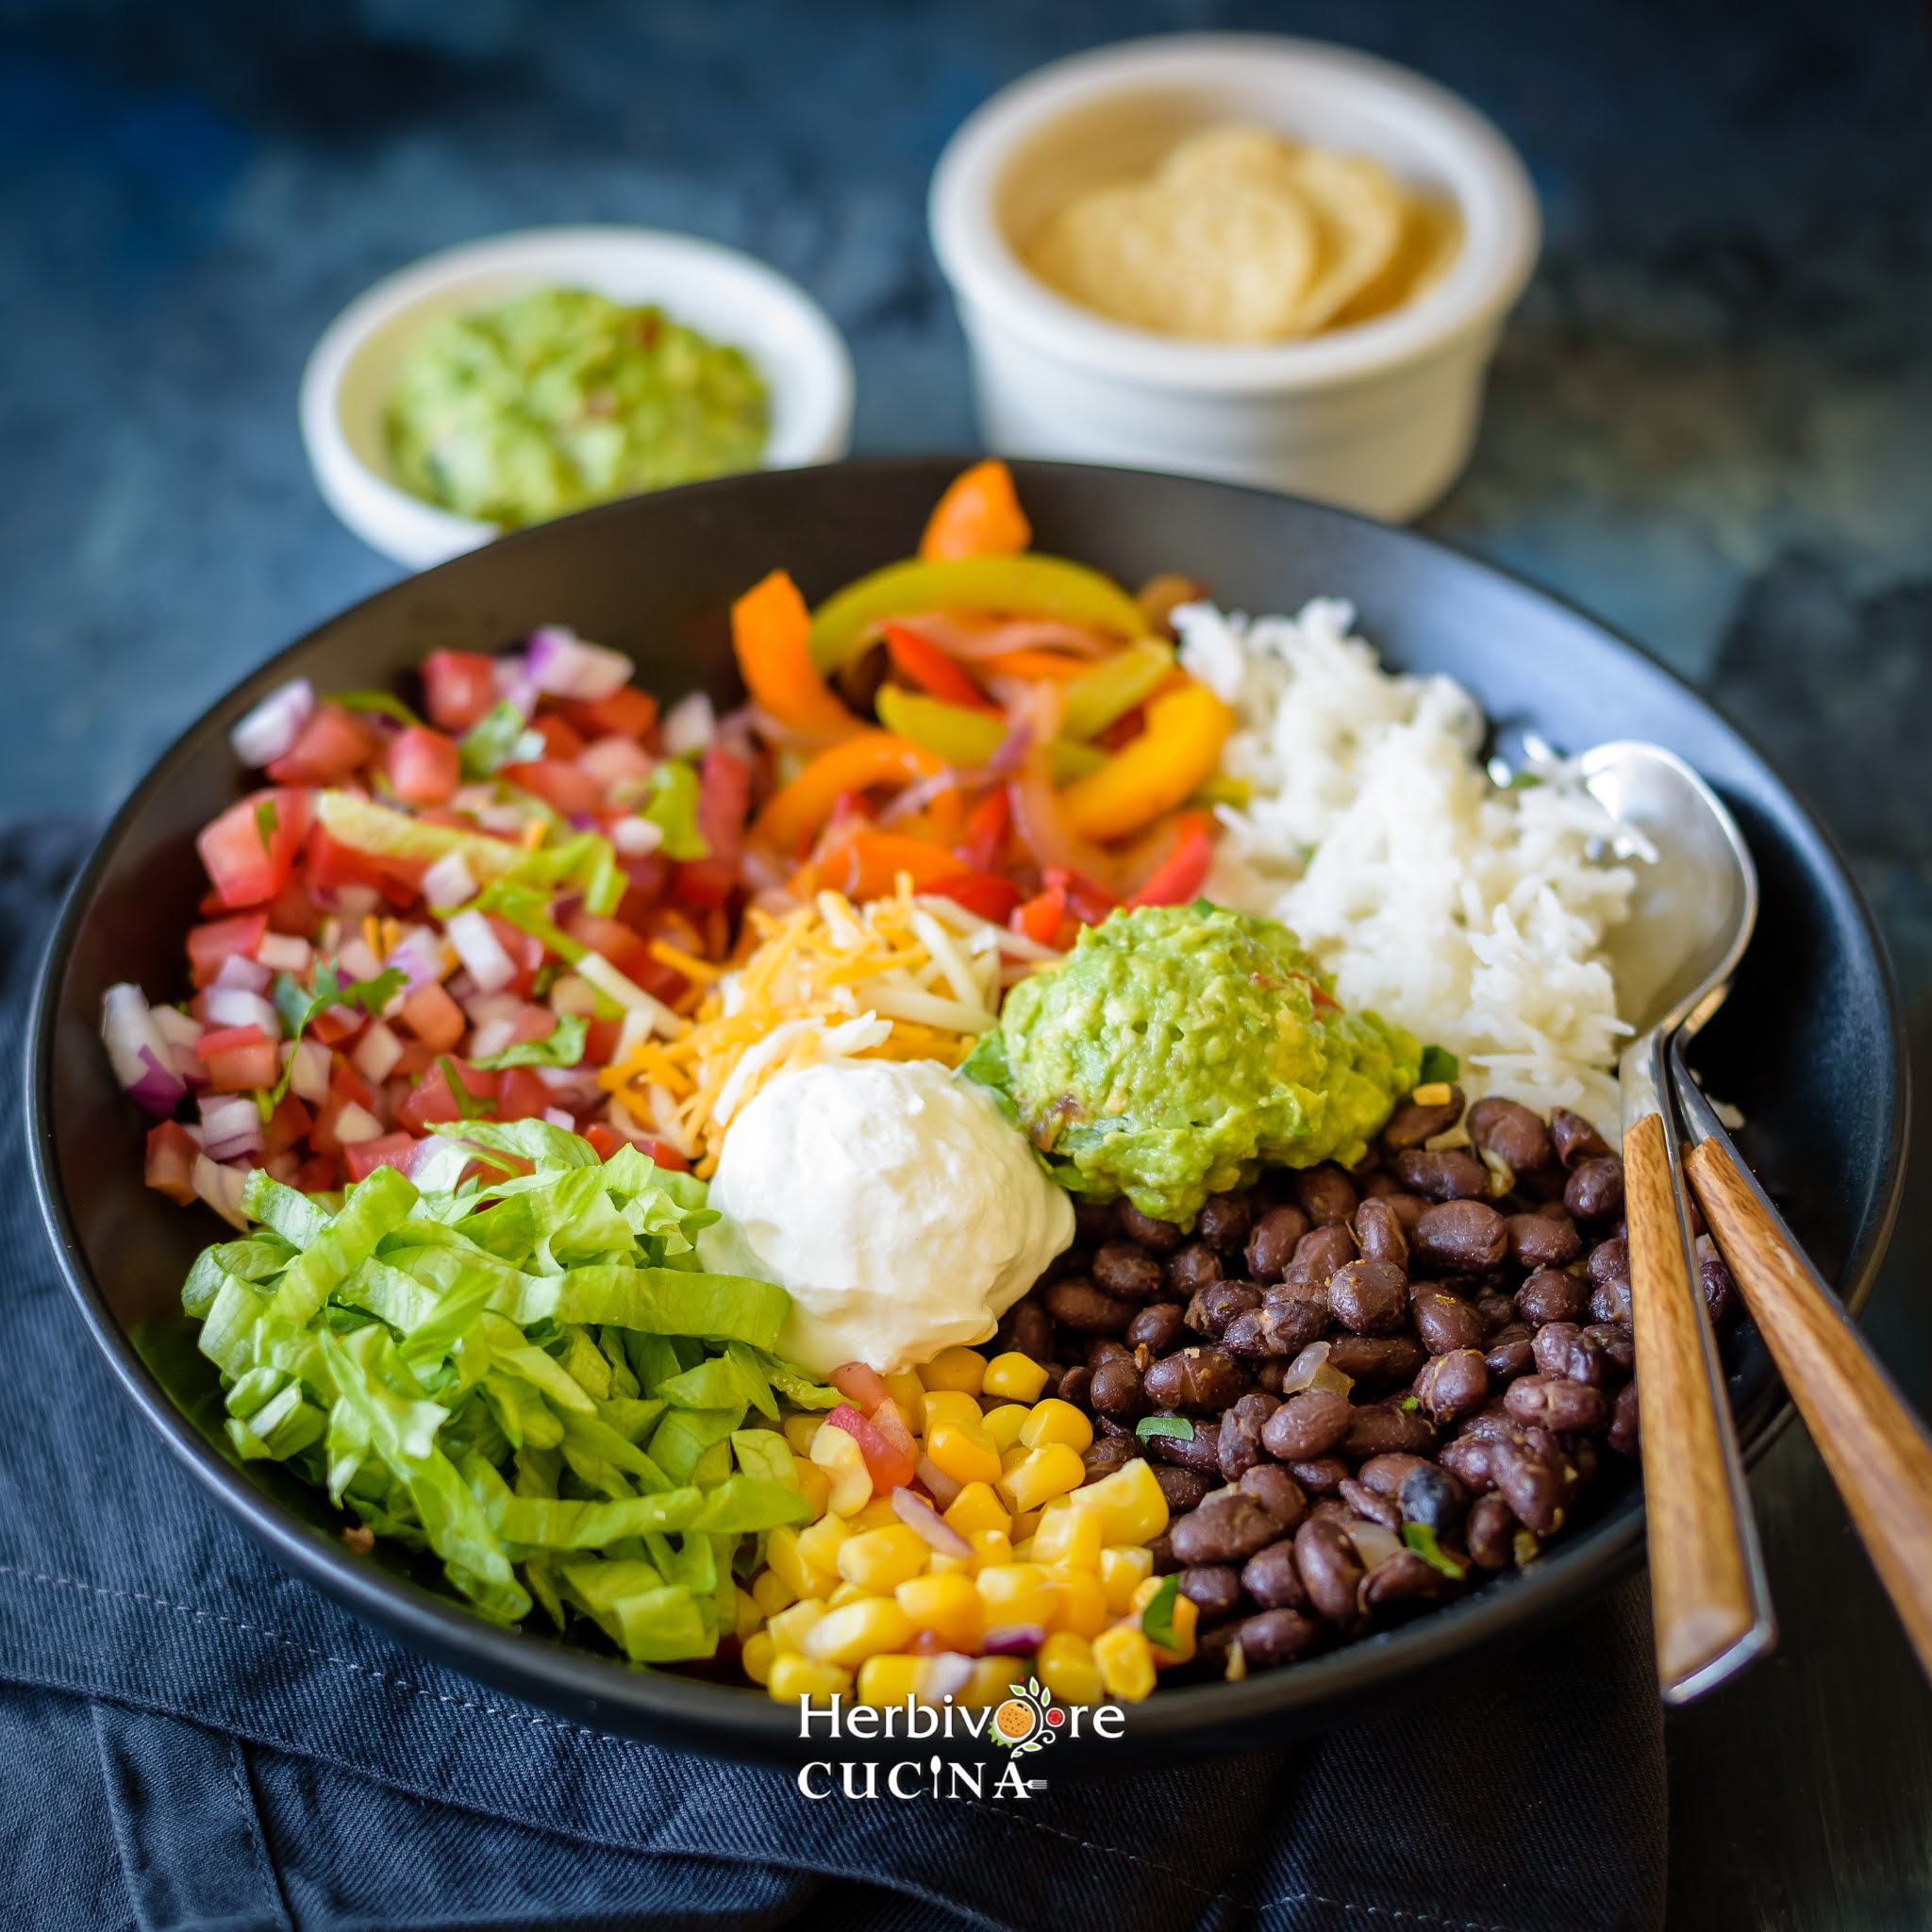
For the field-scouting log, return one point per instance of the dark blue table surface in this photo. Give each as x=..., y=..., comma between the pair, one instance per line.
x=1711, y=422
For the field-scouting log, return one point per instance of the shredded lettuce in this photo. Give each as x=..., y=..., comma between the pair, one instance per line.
x=528, y=1377
x=564, y=1047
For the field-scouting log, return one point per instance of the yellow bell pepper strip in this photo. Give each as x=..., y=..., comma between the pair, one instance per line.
x=968, y=739
x=1029, y=586
x=1107, y=692
x=872, y=758
x=771, y=631
x=978, y=516
x=1184, y=732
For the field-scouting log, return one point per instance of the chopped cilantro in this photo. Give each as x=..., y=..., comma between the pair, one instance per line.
x=1439, y=1066
x=1157, y=1620
x=299, y=1004
x=1421, y=1540
x=562, y=1048
x=470, y=1107
x=1178, y=1426
x=267, y=822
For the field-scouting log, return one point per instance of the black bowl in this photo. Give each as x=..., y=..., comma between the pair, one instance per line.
x=1810, y=1043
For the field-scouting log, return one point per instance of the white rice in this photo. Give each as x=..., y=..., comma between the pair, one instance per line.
x=1471, y=915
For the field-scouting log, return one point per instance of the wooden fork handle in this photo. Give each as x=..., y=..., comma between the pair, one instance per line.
x=1875, y=1449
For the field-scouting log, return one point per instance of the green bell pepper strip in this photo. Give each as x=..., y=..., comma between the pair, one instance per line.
x=1026, y=586
x=1101, y=696
x=968, y=739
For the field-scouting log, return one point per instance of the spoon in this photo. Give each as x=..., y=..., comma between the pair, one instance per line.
x=1691, y=918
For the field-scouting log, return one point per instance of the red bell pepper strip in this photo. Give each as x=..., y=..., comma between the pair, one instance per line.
x=985, y=837
x=1039, y=918
x=1180, y=876
x=928, y=667
x=984, y=894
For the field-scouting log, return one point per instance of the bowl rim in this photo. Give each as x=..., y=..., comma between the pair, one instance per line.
x=821, y=435
x=742, y=1722
x=986, y=272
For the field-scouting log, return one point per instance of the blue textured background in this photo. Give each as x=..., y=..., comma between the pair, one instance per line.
x=1711, y=422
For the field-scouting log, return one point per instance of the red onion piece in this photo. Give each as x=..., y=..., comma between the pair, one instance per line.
x=240, y=974
x=688, y=725
x=143, y=1060
x=945, y=1675
x=1375, y=1543
x=938, y=1485
x=220, y=1188
x=917, y=1513
x=275, y=725
x=375, y=1053
x=230, y=1005
x=417, y=955
x=310, y=1071
x=562, y=663
x=1012, y=1640
x=973, y=639
x=282, y=952
x=231, y=1125
x=449, y=881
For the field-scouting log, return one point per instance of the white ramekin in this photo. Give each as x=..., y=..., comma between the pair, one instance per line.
x=726, y=295
x=1379, y=417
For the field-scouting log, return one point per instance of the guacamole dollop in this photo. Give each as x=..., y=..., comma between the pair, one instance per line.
x=1177, y=1048
x=562, y=398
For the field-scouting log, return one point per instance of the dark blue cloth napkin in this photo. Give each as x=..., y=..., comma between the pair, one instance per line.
x=190, y=1741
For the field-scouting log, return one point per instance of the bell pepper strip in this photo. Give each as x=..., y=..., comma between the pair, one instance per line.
x=723, y=799
x=930, y=668
x=985, y=836
x=1184, y=732
x=868, y=865
x=1107, y=692
x=795, y=814
x=771, y=632
x=982, y=892
x=1034, y=664
x=1088, y=901
x=1029, y=586
x=970, y=739
x=978, y=516
x=1040, y=918
x=1178, y=877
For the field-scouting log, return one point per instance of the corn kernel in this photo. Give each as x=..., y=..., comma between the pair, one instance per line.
x=1186, y=1616
x=1014, y=1374
x=757, y=1656
x=889, y=1678
x=1054, y=1420
x=1130, y=1499
x=1070, y=1534
x=951, y=1406
x=800, y=1429
x=949, y=1607
x=794, y=1676
x=1026, y=1525
x=1145, y=1591
x=1017, y=1593
x=772, y=1593
x=1126, y=1663
x=940, y=1564
x=1121, y=1570
x=1023, y=1550
x=749, y=1615
x=989, y=1546
x=1003, y=1425
x=1066, y=1668
x=1051, y=1469
x=882, y=1560
x=814, y=1485
x=1083, y=1603
x=990, y=1683
x=1012, y=1455
x=908, y=1391
x=819, y=1542
x=789, y=1629
x=963, y=1368
x=799, y=1573
x=842, y=1460
x=854, y=1632
x=877, y=1514
x=962, y=1453
x=976, y=1507
x=848, y=1593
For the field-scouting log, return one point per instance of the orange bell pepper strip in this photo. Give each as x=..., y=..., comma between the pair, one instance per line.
x=1180, y=874
x=1032, y=664
x=1179, y=748
x=799, y=810
x=771, y=631
x=928, y=667
x=979, y=515
x=1040, y=918
x=868, y=865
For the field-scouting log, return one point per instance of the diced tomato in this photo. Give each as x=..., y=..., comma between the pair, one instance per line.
x=171, y=1153
x=250, y=851
x=604, y=1139
x=600, y=1042
x=860, y=1384
x=614, y=761
x=629, y=711
x=332, y=745
x=562, y=787
x=457, y=688
x=434, y=1018
x=664, y=1154
x=522, y=1095
x=416, y=1059
x=1039, y=918
x=891, y=1467
x=423, y=767
x=1180, y=876
x=982, y=892
x=524, y=949
x=294, y=910
x=319, y=1173
x=889, y=1418
x=649, y=877
x=288, y=1126
x=985, y=837
x=386, y=1150
x=225, y=1038
x=627, y=949
x=211, y=947
x=432, y=1105
x=243, y=1069
x=723, y=800
x=560, y=739
x=928, y=667
x=346, y=1086
x=333, y=864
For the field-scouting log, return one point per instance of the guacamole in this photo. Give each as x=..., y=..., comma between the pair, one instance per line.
x=561, y=398
x=1179, y=1047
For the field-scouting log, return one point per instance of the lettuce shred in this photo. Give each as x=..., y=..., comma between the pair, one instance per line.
x=528, y=1376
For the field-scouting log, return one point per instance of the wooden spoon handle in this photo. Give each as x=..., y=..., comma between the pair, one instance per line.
x=1874, y=1447
x=1707, y=1599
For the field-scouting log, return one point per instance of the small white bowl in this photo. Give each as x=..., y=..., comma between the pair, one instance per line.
x=1379, y=417
x=726, y=295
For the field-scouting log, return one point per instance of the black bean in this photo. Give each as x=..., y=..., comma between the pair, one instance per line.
x=1380, y=1360
x=1115, y=1390
x=1183, y=1488
x=1616, y=1348
x=1106, y=1453
x=1368, y=1506
x=1511, y=1353
x=1611, y=1302
x=1453, y=1386
x=1432, y=1497
x=1162, y=1237
x=1594, y=1190
x=1446, y=1322
x=1094, y=1221
x=1320, y=1475
x=1510, y=1131
x=1224, y=1221
x=1103, y=1348
x=1570, y=1354
x=1559, y=1406
x=1489, y=1533
x=1026, y=1329
x=1306, y=1425
x=1157, y=1328
x=1378, y=1228
x=1277, y=1492
x=1532, y=1487
x=1223, y=1529
x=1574, y=1138
x=1609, y=1260
x=1283, y=1325
x=1459, y=1237
x=1324, y=1194
x=1497, y=1309
x=1369, y=1297
x=1077, y=1386
x=1216, y=1304
x=1720, y=1291
x=1161, y=1549
x=1386, y=1475
x=1123, y=1270
x=1413, y=1122
x=1318, y=1254
x=1448, y=1174
x=1079, y=1305
x=1272, y=1243
x=1624, y=1432
x=1191, y=1267
x=1330, y=1570
x=1239, y=1447
x=1216, y=1588
x=1383, y=1429
x=1468, y=1460
x=1277, y=1638
x=1200, y=1451
x=1270, y=1577
x=1550, y=1295
x=1201, y=1380
x=1542, y=1241
x=1403, y=1579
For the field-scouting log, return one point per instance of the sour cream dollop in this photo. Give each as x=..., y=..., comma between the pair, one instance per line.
x=892, y=1201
